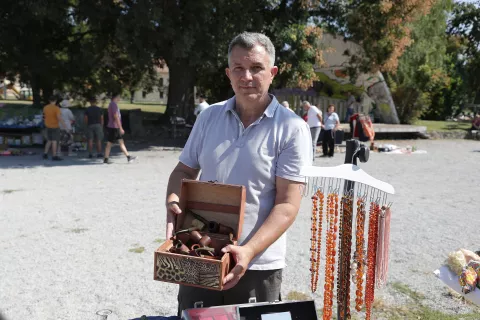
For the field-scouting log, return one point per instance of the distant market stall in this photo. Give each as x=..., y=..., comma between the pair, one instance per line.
x=20, y=126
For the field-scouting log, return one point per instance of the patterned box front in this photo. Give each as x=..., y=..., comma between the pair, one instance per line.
x=182, y=269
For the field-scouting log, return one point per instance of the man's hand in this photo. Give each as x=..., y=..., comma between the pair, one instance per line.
x=172, y=211
x=122, y=132
x=242, y=256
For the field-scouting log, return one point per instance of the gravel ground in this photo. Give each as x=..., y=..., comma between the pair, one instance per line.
x=66, y=230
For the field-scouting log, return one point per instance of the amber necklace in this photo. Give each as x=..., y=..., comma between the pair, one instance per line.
x=371, y=258
x=319, y=234
x=346, y=240
x=359, y=256
x=316, y=238
x=332, y=220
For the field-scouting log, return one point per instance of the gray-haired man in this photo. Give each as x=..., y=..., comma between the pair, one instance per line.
x=248, y=140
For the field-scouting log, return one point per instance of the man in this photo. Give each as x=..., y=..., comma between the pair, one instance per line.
x=94, y=121
x=314, y=120
x=52, y=117
x=115, y=131
x=248, y=140
x=287, y=105
x=201, y=106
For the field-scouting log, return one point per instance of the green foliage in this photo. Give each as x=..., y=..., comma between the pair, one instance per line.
x=422, y=70
x=464, y=28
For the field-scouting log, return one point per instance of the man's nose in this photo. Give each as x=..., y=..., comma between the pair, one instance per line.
x=247, y=75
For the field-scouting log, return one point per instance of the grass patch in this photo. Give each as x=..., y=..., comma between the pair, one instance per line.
x=444, y=125
x=8, y=191
x=414, y=310
x=419, y=312
x=153, y=108
x=403, y=288
x=159, y=240
x=77, y=230
x=137, y=249
x=297, y=296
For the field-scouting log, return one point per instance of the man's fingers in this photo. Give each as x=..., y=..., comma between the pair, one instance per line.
x=173, y=207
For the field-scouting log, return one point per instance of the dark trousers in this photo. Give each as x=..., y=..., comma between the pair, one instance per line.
x=264, y=285
x=328, y=142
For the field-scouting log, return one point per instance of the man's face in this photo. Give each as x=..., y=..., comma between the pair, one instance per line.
x=306, y=106
x=249, y=72
x=116, y=99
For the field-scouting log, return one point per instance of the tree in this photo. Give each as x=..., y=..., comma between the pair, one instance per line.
x=422, y=72
x=34, y=36
x=384, y=30
x=193, y=37
x=464, y=27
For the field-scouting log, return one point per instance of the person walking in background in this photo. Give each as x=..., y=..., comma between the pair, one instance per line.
x=52, y=119
x=201, y=106
x=115, y=130
x=330, y=125
x=66, y=131
x=94, y=121
x=287, y=105
x=314, y=121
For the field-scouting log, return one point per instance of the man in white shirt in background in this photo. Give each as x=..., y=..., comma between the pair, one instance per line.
x=314, y=121
x=201, y=106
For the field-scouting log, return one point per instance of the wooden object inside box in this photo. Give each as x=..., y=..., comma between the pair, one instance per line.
x=217, y=202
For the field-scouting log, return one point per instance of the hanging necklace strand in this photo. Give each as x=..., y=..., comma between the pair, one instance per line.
x=330, y=264
x=313, y=242
x=371, y=258
x=359, y=247
x=319, y=235
x=344, y=264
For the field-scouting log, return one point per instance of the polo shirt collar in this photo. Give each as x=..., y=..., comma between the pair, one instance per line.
x=269, y=111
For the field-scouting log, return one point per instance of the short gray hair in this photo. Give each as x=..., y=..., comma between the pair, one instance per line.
x=248, y=40
x=306, y=102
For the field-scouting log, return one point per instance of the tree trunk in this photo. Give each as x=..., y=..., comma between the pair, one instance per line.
x=181, y=100
x=37, y=98
x=132, y=96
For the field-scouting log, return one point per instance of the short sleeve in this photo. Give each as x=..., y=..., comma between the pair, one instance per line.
x=191, y=151
x=296, y=153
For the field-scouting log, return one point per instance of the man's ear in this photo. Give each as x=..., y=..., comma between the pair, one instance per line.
x=274, y=71
x=227, y=72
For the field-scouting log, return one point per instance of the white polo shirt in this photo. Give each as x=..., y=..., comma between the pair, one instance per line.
x=313, y=120
x=277, y=144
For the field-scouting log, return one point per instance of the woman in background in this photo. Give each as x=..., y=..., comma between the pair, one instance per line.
x=331, y=121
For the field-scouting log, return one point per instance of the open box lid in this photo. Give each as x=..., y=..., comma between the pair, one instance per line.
x=223, y=203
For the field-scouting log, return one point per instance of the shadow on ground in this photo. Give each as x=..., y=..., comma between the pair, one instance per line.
x=33, y=156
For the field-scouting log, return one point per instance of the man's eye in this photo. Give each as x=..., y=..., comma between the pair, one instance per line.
x=238, y=69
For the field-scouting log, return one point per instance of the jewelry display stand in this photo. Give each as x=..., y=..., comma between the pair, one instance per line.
x=358, y=187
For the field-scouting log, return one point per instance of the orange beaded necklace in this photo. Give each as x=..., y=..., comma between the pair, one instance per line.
x=316, y=238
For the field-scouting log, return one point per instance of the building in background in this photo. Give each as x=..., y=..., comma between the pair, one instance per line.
x=160, y=92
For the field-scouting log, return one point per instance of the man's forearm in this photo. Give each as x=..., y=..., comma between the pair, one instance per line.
x=280, y=219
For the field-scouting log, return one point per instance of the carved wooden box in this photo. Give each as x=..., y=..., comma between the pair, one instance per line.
x=221, y=203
